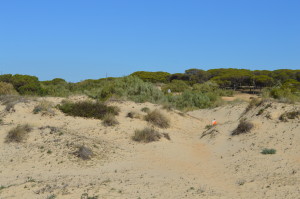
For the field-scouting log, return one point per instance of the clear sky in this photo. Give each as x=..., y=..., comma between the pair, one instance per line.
x=87, y=39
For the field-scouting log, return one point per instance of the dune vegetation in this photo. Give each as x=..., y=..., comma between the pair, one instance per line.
x=193, y=89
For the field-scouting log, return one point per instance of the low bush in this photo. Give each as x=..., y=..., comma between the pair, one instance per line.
x=129, y=88
x=18, y=134
x=84, y=153
x=44, y=107
x=146, y=135
x=145, y=109
x=87, y=109
x=153, y=77
x=109, y=119
x=243, y=127
x=176, y=86
x=289, y=115
x=168, y=107
x=190, y=100
x=158, y=119
x=282, y=94
x=268, y=151
x=209, y=126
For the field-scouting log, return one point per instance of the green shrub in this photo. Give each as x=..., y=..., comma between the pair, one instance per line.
x=158, y=119
x=146, y=135
x=153, y=77
x=243, y=127
x=176, y=86
x=281, y=94
x=190, y=100
x=18, y=134
x=87, y=109
x=268, y=151
x=26, y=84
x=56, y=87
x=109, y=119
x=167, y=107
x=130, y=88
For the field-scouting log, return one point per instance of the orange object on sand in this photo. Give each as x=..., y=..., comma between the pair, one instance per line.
x=214, y=122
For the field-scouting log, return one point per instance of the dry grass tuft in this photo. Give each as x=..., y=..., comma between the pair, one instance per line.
x=289, y=115
x=18, y=134
x=243, y=127
x=167, y=136
x=109, y=119
x=253, y=103
x=133, y=114
x=84, y=153
x=7, y=89
x=146, y=135
x=45, y=108
x=158, y=119
x=11, y=100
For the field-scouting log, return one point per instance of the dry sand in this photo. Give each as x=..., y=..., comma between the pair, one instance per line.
x=195, y=163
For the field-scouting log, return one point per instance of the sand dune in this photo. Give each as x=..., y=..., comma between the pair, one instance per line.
x=196, y=163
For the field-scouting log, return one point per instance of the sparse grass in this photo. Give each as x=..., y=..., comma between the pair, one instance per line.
x=289, y=115
x=18, y=134
x=168, y=107
x=44, y=107
x=52, y=129
x=133, y=114
x=158, y=119
x=167, y=136
x=253, y=103
x=53, y=196
x=241, y=182
x=110, y=120
x=87, y=109
x=30, y=179
x=268, y=151
x=86, y=196
x=146, y=135
x=145, y=109
x=11, y=100
x=84, y=153
x=243, y=127
x=261, y=111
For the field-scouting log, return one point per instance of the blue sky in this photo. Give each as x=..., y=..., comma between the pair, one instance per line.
x=87, y=39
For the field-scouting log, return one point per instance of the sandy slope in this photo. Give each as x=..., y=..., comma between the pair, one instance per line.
x=195, y=163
